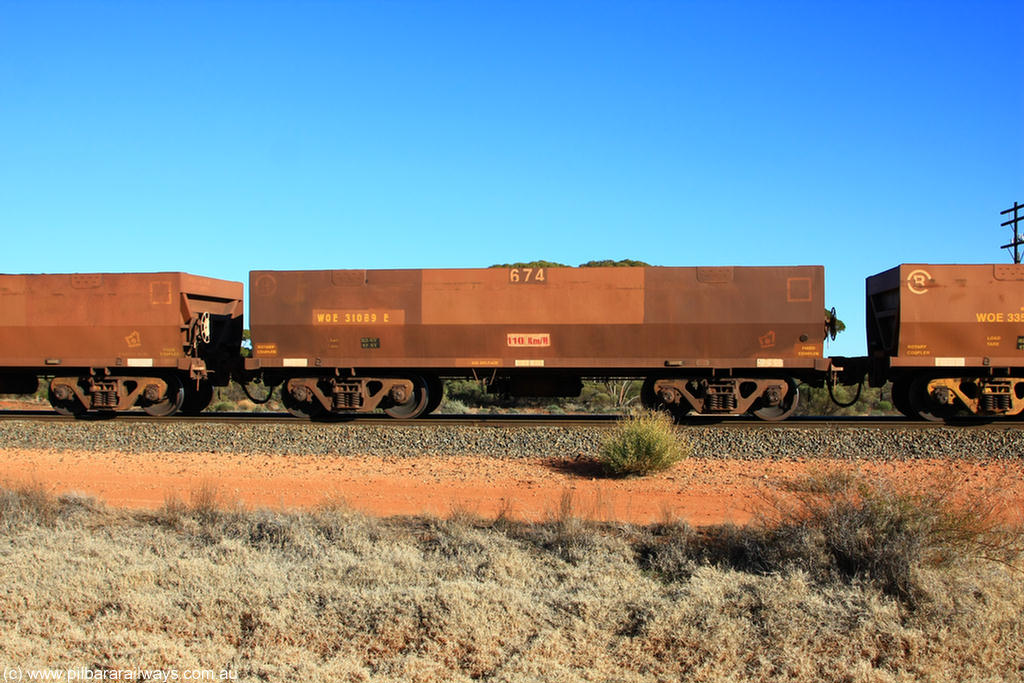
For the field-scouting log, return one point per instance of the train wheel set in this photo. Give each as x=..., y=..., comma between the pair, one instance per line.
x=712, y=341
x=941, y=398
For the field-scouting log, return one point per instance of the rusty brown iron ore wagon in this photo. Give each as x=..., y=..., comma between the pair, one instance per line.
x=719, y=340
x=112, y=341
x=712, y=341
x=949, y=337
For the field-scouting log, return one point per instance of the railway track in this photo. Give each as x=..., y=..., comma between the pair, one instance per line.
x=512, y=420
x=504, y=436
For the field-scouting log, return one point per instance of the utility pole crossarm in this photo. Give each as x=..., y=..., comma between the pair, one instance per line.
x=1016, y=210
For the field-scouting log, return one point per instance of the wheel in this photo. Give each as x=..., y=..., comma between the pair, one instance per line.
x=307, y=410
x=924, y=405
x=171, y=401
x=71, y=407
x=901, y=398
x=196, y=398
x=435, y=391
x=415, y=405
x=785, y=408
x=648, y=399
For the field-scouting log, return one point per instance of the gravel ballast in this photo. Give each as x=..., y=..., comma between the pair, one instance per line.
x=708, y=441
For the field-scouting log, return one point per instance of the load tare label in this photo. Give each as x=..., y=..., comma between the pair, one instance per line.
x=531, y=339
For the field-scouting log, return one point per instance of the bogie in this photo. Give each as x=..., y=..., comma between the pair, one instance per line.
x=109, y=394
x=767, y=398
x=316, y=397
x=942, y=398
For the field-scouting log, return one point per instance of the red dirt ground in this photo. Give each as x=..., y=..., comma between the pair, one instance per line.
x=8, y=404
x=699, y=491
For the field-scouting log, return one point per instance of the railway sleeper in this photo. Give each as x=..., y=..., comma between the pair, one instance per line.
x=937, y=398
x=312, y=396
x=767, y=398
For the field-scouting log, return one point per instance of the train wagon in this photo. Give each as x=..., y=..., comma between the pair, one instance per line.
x=949, y=337
x=713, y=340
x=112, y=341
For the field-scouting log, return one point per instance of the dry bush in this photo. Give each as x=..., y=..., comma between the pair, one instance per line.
x=838, y=524
x=643, y=443
x=28, y=503
x=173, y=511
x=886, y=530
x=205, y=502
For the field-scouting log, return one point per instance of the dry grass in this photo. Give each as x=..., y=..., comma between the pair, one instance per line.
x=330, y=594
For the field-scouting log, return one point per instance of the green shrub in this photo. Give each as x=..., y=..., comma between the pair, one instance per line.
x=453, y=406
x=641, y=444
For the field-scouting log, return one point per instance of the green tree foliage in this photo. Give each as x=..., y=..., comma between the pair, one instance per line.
x=531, y=264
x=608, y=263
x=840, y=325
x=872, y=401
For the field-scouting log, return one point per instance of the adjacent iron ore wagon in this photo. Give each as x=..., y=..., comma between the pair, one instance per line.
x=715, y=340
x=111, y=341
x=949, y=337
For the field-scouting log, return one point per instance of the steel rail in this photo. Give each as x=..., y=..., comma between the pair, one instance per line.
x=513, y=420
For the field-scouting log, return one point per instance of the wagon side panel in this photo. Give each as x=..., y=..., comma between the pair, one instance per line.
x=558, y=317
x=104, y=319
x=960, y=315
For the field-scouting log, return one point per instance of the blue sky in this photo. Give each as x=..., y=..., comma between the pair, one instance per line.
x=216, y=137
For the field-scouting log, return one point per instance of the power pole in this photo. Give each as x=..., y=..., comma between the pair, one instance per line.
x=1015, y=221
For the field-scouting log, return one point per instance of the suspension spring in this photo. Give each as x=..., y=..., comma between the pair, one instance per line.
x=720, y=403
x=995, y=403
x=346, y=397
x=104, y=397
x=995, y=396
